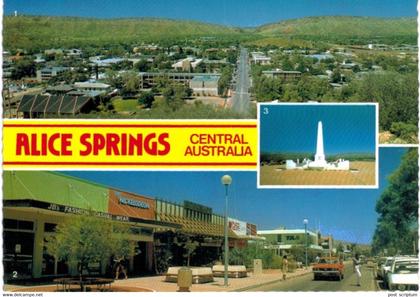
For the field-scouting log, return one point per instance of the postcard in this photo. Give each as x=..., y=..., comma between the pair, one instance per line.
x=210, y=146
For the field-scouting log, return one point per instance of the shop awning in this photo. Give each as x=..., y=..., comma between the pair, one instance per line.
x=198, y=227
x=36, y=204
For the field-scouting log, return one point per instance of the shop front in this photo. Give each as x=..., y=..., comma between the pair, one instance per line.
x=34, y=203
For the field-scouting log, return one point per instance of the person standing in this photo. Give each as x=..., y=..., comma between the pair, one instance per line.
x=285, y=266
x=356, y=266
x=120, y=269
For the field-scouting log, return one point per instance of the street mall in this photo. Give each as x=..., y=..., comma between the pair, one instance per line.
x=34, y=202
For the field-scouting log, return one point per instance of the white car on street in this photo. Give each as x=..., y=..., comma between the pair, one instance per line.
x=403, y=275
x=384, y=266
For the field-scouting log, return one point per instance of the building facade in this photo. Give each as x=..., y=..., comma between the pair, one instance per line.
x=150, y=79
x=282, y=241
x=205, y=85
x=45, y=74
x=283, y=75
x=35, y=202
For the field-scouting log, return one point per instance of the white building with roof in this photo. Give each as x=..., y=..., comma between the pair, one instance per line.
x=260, y=58
x=187, y=64
x=284, y=240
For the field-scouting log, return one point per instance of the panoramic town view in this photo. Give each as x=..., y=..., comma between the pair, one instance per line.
x=329, y=204
x=134, y=231
x=115, y=65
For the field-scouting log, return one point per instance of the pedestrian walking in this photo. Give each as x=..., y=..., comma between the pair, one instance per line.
x=357, y=267
x=120, y=269
x=285, y=266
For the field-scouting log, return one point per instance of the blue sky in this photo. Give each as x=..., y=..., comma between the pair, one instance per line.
x=293, y=128
x=347, y=214
x=226, y=12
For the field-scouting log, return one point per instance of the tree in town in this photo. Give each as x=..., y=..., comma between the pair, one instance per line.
x=85, y=239
x=187, y=244
x=396, y=94
x=336, y=76
x=404, y=131
x=225, y=79
x=174, y=95
x=23, y=67
x=114, y=79
x=131, y=83
x=397, y=225
x=146, y=99
x=142, y=65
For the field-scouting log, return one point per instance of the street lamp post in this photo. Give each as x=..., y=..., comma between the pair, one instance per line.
x=305, y=222
x=226, y=181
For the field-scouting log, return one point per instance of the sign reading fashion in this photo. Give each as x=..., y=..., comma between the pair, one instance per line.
x=129, y=144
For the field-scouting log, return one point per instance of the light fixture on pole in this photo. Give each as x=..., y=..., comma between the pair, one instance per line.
x=226, y=181
x=305, y=222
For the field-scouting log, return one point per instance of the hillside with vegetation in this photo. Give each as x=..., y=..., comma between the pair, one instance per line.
x=38, y=32
x=33, y=32
x=345, y=29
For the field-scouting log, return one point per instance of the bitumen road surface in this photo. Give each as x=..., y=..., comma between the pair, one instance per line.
x=307, y=283
x=240, y=98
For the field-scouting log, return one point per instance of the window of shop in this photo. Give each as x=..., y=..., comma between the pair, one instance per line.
x=292, y=237
x=18, y=248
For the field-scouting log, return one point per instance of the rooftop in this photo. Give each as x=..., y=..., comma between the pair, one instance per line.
x=278, y=71
x=95, y=85
x=206, y=78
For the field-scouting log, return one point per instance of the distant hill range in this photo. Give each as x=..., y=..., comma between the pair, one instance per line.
x=41, y=31
x=342, y=28
x=44, y=31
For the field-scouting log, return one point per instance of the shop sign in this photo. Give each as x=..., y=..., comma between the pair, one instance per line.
x=80, y=211
x=237, y=226
x=132, y=202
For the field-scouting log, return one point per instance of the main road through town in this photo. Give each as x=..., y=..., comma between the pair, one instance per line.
x=307, y=282
x=240, y=98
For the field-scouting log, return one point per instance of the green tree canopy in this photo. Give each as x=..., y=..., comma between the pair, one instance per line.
x=397, y=225
x=82, y=240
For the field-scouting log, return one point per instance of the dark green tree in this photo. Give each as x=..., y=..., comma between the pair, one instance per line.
x=146, y=99
x=142, y=66
x=397, y=225
x=24, y=67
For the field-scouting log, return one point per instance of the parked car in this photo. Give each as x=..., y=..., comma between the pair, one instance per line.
x=403, y=275
x=328, y=267
x=383, y=266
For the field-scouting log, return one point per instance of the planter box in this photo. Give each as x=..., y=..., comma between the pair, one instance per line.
x=234, y=271
x=200, y=275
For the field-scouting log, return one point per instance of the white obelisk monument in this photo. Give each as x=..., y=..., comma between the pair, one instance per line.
x=319, y=160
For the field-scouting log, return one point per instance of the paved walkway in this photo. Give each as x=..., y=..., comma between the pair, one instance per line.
x=157, y=283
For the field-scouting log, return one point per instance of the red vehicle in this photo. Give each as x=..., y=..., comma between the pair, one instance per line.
x=330, y=267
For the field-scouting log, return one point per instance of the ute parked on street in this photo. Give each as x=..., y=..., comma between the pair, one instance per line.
x=328, y=267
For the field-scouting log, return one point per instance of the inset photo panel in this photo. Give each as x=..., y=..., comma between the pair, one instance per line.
x=318, y=145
